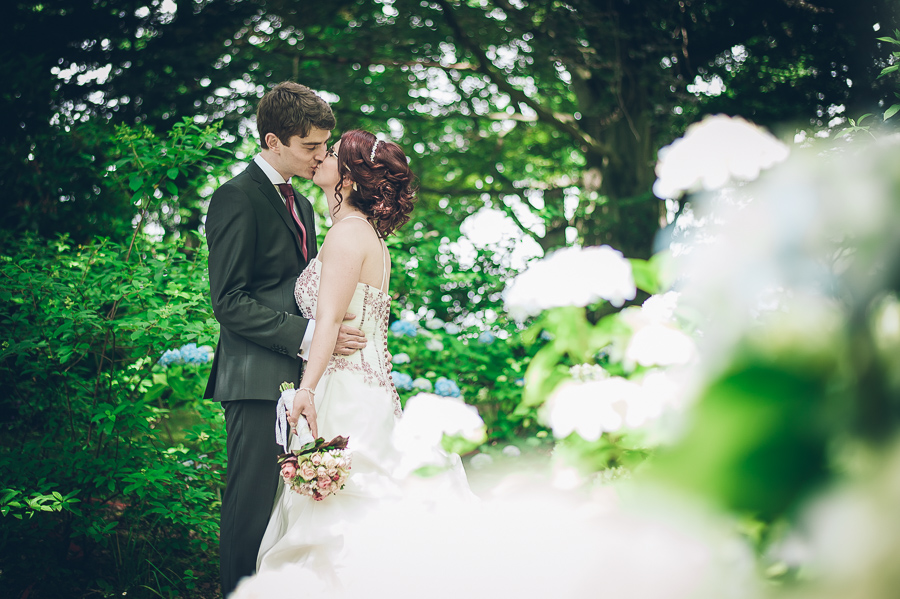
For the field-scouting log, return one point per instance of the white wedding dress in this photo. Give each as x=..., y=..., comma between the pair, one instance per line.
x=355, y=398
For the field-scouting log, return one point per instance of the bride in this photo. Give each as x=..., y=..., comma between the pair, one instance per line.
x=368, y=185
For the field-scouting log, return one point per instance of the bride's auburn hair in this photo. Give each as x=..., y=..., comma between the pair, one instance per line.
x=385, y=189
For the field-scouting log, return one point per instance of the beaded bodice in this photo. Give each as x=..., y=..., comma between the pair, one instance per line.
x=372, y=308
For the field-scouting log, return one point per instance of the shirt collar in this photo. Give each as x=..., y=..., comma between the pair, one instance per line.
x=269, y=170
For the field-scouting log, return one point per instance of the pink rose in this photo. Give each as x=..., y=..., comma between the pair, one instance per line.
x=330, y=461
x=321, y=472
x=331, y=472
x=289, y=468
x=324, y=484
x=316, y=459
x=307, y=471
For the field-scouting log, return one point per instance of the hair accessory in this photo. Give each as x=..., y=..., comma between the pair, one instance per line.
x=374, y=146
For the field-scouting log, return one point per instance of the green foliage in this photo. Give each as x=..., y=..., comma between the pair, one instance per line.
x=158, y=174
x=113, y=470
x=894, y=108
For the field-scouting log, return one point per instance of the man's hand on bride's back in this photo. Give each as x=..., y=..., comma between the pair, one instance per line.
x=349, y=339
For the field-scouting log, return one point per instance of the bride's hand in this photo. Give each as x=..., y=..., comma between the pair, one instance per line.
x=304, y=406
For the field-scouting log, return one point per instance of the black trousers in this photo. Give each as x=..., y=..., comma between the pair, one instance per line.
x=252, y=478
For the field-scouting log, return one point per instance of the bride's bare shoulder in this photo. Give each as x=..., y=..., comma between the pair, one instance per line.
x=350, y=238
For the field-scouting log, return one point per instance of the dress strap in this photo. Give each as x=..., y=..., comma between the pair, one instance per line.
x=383, y=265
x=384, y=248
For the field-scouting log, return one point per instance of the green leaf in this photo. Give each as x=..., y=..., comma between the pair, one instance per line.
x=891, y=111
x=136, y=182
x=888, y=70
x=172, y=173
x=645, y=275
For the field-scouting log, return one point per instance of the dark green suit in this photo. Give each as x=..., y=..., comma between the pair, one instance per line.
x=254, y=261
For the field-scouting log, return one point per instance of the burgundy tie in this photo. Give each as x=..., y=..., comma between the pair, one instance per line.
x=288, y=192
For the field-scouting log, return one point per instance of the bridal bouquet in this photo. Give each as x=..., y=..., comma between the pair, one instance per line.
x=318, y=469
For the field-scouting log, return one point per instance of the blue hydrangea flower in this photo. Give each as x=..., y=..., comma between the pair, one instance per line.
x=171, y=356
x=486, y=338
x=186, y=354
x=446, y=387
x=422, y=384
x=400, y=358
x=402, y=381
x=191, y=354
x=404, y=327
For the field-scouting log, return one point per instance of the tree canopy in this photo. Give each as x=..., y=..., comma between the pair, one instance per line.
x=549, y=111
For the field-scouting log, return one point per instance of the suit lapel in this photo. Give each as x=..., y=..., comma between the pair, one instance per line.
x=271, y=194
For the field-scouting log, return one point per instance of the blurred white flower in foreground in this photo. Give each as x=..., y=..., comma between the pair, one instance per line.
x=661, y=307
x=592, y=408
x=713, y=152
x=570, y=277
x=485, y=551
x=656, y=339
x=660, y=345
x=588, y=372
x=426, y=419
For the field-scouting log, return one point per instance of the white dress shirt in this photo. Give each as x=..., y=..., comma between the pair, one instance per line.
x=276, y=178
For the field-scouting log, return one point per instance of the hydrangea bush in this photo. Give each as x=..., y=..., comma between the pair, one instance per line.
x=439, y=357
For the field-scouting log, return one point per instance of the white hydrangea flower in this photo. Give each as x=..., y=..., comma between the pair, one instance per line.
x=659, y=345
x=480, y=460
x=451, y=329
x=433, y=324
x=434, y=345
x=588, y=372
x=717, y=150
x=591, y=408
x=661, y=307
x=401, y=358
x=428, y=417
x=511, y=451
x=571, y=277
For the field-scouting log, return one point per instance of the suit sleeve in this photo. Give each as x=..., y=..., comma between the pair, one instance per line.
x=231, y=236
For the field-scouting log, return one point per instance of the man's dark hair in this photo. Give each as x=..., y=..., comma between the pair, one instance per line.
x=290, y=109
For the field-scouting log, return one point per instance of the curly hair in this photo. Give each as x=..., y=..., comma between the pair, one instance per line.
x=385, y=190
x=290, y=109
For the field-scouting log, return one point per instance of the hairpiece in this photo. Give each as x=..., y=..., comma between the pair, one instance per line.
x=374, y=146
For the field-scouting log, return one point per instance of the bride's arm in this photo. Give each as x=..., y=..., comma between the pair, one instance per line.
x=342, y=258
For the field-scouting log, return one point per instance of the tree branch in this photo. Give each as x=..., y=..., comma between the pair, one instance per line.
x=486, y=67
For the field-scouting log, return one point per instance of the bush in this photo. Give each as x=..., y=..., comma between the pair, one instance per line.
x=112, y=462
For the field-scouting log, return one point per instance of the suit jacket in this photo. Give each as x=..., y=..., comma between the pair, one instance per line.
x=254, y=261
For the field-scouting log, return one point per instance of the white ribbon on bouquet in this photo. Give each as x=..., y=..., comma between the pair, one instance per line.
x=282, y=428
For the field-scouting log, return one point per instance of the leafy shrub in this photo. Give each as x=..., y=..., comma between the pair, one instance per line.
x=112, y=464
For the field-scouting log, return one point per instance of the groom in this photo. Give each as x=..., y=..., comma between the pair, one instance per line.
x=261, y=235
